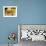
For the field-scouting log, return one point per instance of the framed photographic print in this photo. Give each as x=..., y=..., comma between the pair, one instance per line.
x=9, y=11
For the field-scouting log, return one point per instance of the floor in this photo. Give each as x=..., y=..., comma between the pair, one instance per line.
x=28, y=43
x=7, y=45
x=32, y=43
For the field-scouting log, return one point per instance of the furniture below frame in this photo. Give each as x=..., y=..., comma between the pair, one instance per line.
x=33, y=32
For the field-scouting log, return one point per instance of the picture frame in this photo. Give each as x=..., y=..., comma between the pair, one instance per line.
x=9, y=11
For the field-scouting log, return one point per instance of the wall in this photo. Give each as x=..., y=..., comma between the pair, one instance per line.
x=33, y=11
x=7, y=25
x=29, y=12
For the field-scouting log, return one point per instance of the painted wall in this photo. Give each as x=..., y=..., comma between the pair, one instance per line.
x=29, y=12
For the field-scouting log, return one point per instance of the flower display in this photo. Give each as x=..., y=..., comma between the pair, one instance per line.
x=12, y=36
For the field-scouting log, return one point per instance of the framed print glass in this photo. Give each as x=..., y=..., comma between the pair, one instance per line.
x=9, y=11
